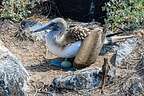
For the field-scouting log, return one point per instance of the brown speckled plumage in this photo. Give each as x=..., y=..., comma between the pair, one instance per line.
x=78, y=32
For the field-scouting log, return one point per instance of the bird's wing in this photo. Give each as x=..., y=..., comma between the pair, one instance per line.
x=76, y=33
x=79, y=33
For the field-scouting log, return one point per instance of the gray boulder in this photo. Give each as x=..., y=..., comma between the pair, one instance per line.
x=86, y=79
x=13, y=76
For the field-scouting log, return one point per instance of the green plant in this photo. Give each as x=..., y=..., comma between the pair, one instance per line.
x=125, y=14
x=16, y=9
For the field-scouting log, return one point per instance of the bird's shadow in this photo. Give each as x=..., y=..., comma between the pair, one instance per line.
x=46, y=66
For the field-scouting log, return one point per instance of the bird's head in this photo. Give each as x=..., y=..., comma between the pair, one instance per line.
x=56, y=26
x=57, y=30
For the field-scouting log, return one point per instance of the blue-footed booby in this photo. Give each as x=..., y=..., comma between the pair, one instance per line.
x=65, y=42
x=61, y=42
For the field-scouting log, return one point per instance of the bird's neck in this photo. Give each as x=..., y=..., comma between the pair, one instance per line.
x=61, y=38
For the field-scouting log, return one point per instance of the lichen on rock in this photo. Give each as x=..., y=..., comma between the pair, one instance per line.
x=13, y=76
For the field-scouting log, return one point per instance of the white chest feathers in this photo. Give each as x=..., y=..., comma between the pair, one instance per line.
x=68, y=51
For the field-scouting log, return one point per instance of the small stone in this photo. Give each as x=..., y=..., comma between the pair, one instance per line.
x=66, y=64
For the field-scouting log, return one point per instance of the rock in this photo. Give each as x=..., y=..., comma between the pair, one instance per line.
x=85, y=79
x=137, y=87
x=140, y=66
x=125, y=49
x=13, y=76
x=66, y=64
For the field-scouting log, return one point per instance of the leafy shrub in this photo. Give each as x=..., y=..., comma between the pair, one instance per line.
x=125, y=14
x=16, y=9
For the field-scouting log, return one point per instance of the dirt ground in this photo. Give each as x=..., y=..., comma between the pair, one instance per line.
x=36, y=61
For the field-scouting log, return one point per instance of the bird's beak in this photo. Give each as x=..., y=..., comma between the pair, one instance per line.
x=41, y=28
